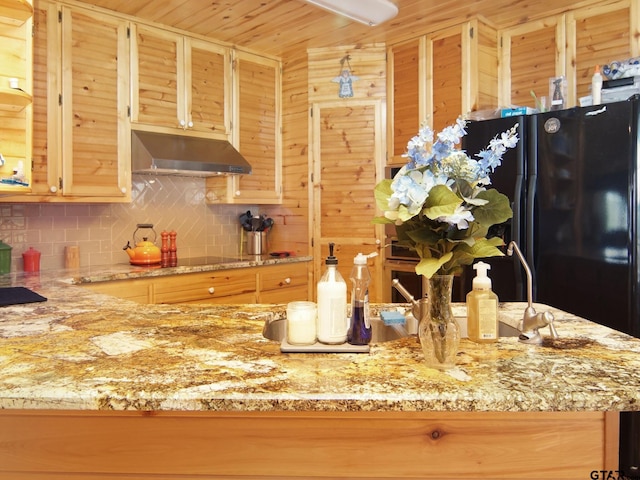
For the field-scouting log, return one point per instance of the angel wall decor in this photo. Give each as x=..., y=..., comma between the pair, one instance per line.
x=345, y=79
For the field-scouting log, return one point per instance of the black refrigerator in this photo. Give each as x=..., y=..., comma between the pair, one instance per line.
x=574, y=186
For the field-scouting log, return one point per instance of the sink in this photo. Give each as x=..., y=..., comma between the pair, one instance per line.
x=506, y=330
x=275, y=330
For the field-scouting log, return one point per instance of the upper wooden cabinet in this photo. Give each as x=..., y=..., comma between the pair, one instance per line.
x=256, y=132
x=438, y=77
x=15, y=12
x=179, y=82
x=16, y=58
x=570, y=45
x=81, y=130
x=92, y=141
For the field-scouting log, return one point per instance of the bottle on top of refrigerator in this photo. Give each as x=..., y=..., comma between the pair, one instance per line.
x=482, y=307
x=596, y=87
x=360, y=325
x=333, y=322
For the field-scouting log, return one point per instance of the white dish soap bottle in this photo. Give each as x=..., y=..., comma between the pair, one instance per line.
x=333, y=322
x=482, y=308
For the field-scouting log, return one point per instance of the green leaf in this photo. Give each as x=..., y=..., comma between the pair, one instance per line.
x=430, y=266
x=441, y=202
x=497, y=210
x=382, y=192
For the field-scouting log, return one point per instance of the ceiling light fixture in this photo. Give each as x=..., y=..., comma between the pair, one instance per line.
x=369, y=12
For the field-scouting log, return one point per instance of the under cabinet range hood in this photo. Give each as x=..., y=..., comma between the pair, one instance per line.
x=168, y=154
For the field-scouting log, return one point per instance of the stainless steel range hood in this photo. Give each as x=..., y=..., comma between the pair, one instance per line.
x=167, y=154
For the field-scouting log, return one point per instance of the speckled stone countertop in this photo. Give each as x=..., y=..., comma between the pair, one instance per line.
x=124, y=271
x=87, y=351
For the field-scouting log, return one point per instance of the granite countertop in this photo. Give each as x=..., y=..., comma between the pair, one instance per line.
x=125, y=271
x=85, y=351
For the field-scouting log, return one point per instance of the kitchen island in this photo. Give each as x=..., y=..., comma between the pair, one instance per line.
x=93, y=387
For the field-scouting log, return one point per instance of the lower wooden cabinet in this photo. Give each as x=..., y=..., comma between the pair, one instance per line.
x=265, y=284
x=158, y=445
x=218, y=286
x=137, y=289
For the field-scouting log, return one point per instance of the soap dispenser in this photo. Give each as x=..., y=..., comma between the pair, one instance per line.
x=333, y=322
x=482, y=307
x=360, y=325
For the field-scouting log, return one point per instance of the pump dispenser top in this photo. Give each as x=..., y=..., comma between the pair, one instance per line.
x=331, y=260
x=481, y=281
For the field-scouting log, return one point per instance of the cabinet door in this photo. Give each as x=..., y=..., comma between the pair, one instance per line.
x=218, y=286
x=207, y=73
x=138, y=290
x=180, y=82
x=612, y=24
x=406, y=95
x=16, y=58
x=521, y=72
x=95, y=139
x=445, y=51
x=157, y=78
x=283, y=283
x=257, y=129
x=348, y=160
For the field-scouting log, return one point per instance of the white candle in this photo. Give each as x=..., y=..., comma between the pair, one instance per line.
x=301, y=323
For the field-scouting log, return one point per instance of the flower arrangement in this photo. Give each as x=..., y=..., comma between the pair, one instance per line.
x=439, y=202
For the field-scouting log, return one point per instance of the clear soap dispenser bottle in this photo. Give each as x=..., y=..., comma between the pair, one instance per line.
x=482, y=307
x=333, y=322
x=360, y=325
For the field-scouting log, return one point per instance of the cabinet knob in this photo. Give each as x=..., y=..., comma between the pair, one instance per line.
x=287, y=281
x=123, y=189
x=211, y=290
x=182, y=123
x=53, y=189
x=190, y=124
x=237, y=193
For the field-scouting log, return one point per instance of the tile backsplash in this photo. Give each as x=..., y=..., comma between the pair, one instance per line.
x=102, y=230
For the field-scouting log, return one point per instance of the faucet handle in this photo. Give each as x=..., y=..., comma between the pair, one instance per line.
x=548, y=318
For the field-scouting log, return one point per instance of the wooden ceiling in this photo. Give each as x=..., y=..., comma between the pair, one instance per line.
x=275, y=27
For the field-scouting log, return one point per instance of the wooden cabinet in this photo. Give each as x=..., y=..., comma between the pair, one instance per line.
x=438, y=77
x=93, y=144
x=284, y=283
x=138, y=289
x=406, y=95
x=521, y=73
x=81, y=97
x=265, y=284
x=218, y=286
x=16, y=85
x=306, y=445
x=570, y=45
x=179, y=82
x=256, y=133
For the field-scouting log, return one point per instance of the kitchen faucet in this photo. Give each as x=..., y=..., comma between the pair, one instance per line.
x=413, y=317
x=531, y=321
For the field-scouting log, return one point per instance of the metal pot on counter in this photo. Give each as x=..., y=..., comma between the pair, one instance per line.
x=257, y=227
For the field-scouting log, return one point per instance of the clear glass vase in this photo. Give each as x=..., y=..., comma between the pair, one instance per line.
x=438, y=331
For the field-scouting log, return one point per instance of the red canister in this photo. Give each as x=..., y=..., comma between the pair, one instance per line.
x=31, y=259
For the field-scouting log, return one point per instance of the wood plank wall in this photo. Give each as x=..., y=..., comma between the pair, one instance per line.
x=292, y=223
x=347, y=211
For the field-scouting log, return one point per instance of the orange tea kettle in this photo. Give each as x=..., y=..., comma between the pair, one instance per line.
x=145, y=251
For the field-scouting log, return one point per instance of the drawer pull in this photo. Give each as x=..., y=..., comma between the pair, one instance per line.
x=212, y=290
